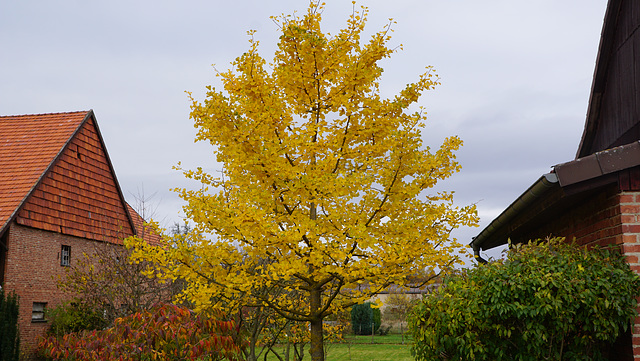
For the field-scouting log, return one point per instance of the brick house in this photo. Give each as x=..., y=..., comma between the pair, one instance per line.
x=595, y=198
x=59, y=197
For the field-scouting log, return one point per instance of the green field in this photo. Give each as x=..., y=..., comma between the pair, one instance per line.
x=394, y=339
x=361, y=348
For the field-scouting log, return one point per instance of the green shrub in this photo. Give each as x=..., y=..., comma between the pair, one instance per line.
x=364, y=316
x=361, y=318
x=9, y=336
x=75, y=316
x=377, y=318
x=383, y=331
x=547, y=301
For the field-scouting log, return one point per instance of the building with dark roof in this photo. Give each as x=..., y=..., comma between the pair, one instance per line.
x=595, y=198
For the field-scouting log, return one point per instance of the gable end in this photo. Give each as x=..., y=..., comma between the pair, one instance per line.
x=79, y=195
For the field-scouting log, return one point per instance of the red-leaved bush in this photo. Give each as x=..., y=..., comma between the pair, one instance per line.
x=166, y=332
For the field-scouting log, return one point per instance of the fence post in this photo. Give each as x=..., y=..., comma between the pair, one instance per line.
x=372, y=331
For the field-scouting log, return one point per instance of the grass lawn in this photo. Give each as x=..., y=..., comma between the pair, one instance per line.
x=385, y=340
x=369, y=352
x=360, y=348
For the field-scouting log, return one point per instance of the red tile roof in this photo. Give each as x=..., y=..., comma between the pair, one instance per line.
x=28, y=146
x=55, y=174
x=142, y=230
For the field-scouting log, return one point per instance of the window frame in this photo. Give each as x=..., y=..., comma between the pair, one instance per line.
x=38, y=311
x=65, y=255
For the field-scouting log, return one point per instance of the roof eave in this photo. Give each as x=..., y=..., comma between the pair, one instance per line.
x=115, y=178
x=537, y=190
x=573, y=175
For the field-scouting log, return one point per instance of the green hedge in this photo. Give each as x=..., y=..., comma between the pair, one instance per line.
x=548, y=301
x=9, y=336
x=364, y=316
x=75, y=316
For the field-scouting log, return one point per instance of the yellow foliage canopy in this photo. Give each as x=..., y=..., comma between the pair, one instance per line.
x=324, y=187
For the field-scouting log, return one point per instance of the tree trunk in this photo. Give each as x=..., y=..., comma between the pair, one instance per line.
x=286, y=351
x=317, y=346
x=315, y=304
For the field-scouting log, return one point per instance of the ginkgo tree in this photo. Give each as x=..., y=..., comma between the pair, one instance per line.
x=326, y=190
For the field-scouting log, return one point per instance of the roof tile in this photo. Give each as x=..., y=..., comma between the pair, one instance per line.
x=77, y=192
x=28, y=146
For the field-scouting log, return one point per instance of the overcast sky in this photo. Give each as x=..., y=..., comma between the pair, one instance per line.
x=516, y=76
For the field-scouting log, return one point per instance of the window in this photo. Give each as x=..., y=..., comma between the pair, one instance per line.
x=65, y=256
x=37, y=313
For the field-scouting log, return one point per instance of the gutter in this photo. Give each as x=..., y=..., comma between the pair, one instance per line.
x=582, y=172
x=530, y=196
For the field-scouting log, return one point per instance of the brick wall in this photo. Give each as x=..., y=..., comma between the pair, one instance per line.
x=595, y=220
x=599, y=221
x=32, y=269
x=630, y=219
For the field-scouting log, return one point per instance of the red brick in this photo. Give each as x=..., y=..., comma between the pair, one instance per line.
x=627, y=198
x=630, y=208
x=631, y=249
x=608, y=241
x=631, y=228
x=630, y=239
x=635, y=268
